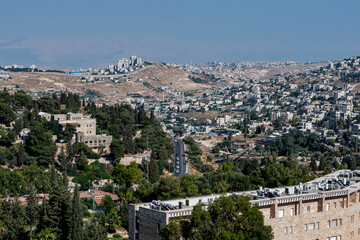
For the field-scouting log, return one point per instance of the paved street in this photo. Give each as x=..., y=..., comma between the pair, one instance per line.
x=180, y=164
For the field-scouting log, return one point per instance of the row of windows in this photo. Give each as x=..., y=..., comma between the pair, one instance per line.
x=315, y=226
x=333, y=205
x=308, y=209
x=311, y=226
x=95, y=141
x=288, y=230
x=334, y=238
x=334, y=222
x=282, y=211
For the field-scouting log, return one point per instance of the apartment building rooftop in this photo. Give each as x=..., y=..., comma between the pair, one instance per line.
x=340, y=182
x=303, y=211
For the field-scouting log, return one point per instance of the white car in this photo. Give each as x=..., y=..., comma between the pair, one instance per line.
x=177, y=170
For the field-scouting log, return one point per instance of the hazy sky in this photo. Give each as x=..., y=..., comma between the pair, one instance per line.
x=87, y=33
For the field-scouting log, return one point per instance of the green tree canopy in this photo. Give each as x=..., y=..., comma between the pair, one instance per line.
x=230, y=218
x=117, y=149
x=7, y=115
x=41, y=145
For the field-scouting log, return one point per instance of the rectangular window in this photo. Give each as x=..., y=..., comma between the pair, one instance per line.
x=333, y=238
x=308, y=208
x=285, y=230
x=317, y=225
x=352, y=218
x=291, y=212
x=311, y=226
x=281, y=213
x=339, y=237
x=328, y=223
x=334, y=223
x=340, y=204
x=290, y=229
x=334, y=205
x=340, y=221
x=305, y=227
x=327, y=206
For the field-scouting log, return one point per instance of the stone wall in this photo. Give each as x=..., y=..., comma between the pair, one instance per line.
x=320, y=214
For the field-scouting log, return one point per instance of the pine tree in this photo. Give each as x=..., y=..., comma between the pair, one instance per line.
x=32, y=211
x=153, y=171
x=77, y=222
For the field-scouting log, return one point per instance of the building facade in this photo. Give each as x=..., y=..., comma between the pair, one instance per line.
x=85, y=129
x=327, y=208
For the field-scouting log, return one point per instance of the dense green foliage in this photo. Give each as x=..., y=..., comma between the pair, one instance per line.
x=122, y=122
x=194, y=153
x=227, y=218
x=133, y=132
x=88, y=173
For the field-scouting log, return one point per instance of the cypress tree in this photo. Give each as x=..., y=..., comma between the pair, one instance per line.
x=32, y=211
x=335, y=164
x=62, y=159
x=77, y=222
x=69, y=153
x=58, y=211
x=353, y=164
x=153, y=171
x=96, y=229
x=53, y=182
x=44, y=222
x=313, y=165
x=322, y=164
x=21, y=156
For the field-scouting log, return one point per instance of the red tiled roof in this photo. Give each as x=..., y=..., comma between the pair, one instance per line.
x=98, y=201
x=85, y=195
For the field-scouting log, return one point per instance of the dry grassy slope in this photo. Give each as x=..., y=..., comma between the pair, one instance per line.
x=174, y=78
x=171, y=77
